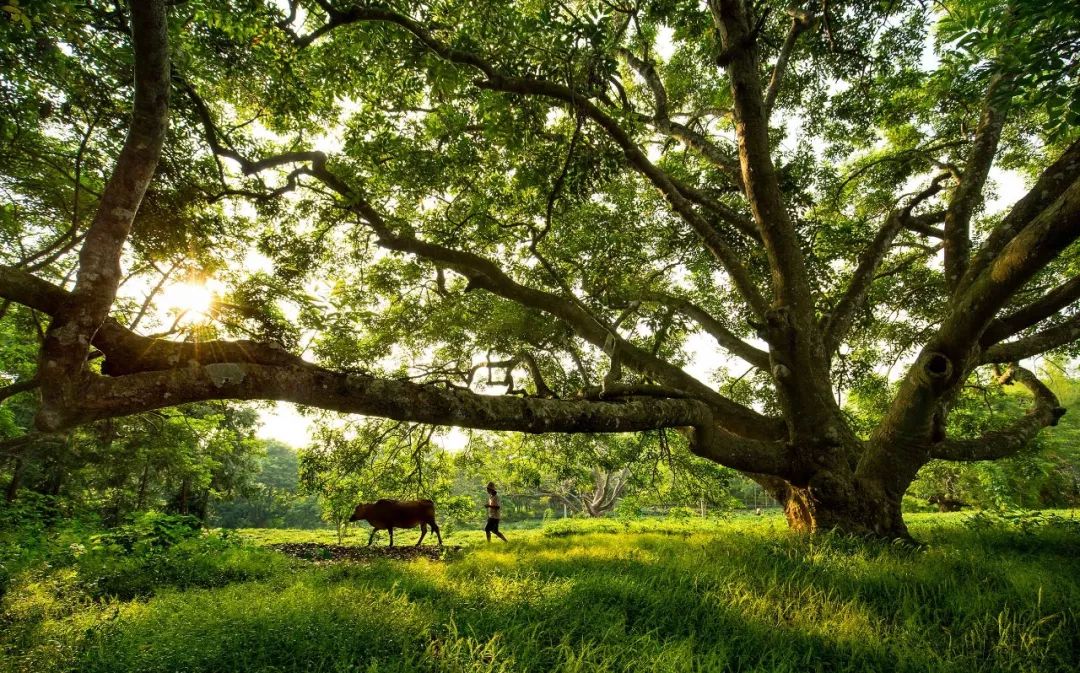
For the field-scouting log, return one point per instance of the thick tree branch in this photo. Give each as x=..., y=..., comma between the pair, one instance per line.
x=1008, y=441
x=67, y=340
x=483, y=273
x=128, y=353
x=923, y=224
x=1030, y=346
x=145, y=374
x=1032, y=314
x=790, y=283
x=1051, y=184
x=801, y=20
x=968, y=192
x=652, y=79
x=947, y=358
x=1047, y=234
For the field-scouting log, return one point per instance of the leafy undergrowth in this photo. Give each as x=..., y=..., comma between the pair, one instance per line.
x=982, y=594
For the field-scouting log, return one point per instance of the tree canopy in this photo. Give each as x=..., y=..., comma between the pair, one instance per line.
x=409, y=206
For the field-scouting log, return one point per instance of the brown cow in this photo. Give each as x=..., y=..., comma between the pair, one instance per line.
x=391, y=514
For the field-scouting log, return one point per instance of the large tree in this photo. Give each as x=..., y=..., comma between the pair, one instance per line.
x=560, y=193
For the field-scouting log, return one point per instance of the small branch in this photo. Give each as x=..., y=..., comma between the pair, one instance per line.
x=839, y=322
x=13, y=389
x=723, y=336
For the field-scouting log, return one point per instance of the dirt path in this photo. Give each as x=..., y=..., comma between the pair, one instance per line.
x=314, y=551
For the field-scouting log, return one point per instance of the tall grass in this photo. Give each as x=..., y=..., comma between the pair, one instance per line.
x=577, y=596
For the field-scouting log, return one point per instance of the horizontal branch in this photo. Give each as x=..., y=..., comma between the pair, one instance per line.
x=13, y=389
x=1036, y=344
x=1032, y=314
x=145, y=374
x=1012, y=439
x=485, y=274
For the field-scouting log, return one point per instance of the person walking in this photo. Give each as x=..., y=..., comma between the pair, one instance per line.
x=493, y=513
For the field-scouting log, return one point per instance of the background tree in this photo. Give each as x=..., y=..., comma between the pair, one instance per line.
x=272, y=498
x=589, y=474
x=549, y=199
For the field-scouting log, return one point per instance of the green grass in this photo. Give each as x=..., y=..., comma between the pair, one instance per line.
x=743, y=595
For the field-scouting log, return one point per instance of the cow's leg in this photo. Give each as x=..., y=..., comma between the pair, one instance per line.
x=435, y=527
x=423, y=532
x=391, y=536
x=371, y=538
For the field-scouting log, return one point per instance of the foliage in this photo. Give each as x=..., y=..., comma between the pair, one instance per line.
x=1034, y=43
x=654, y=468
x=373, y=459
x=146, y=533
x=208, y=560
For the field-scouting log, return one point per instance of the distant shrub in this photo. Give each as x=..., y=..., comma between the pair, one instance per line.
x=146, y=532
x=34, y=530
x=912, y=504
x=628, y=507
x=453, y=512
x=679, y=513
x=1023, y=521
x=214, y=560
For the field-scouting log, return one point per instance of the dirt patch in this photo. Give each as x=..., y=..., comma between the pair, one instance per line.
x=329, y=553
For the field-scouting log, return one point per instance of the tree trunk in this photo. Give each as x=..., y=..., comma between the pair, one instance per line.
x=846, y=506
x=16, y=480
x=144, y=479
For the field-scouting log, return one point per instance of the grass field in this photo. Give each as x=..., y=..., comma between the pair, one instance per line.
x=987, y=594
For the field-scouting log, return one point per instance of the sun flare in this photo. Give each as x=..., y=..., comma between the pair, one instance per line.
x=193, y=299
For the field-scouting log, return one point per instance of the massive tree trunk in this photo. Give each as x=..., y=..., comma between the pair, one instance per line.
x=850, y=506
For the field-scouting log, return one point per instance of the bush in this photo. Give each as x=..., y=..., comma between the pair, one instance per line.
x=1022, y=521
x=912, y=504
x=146, y=532
x=628, y=507
x=680, y=512
x=208, y=560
